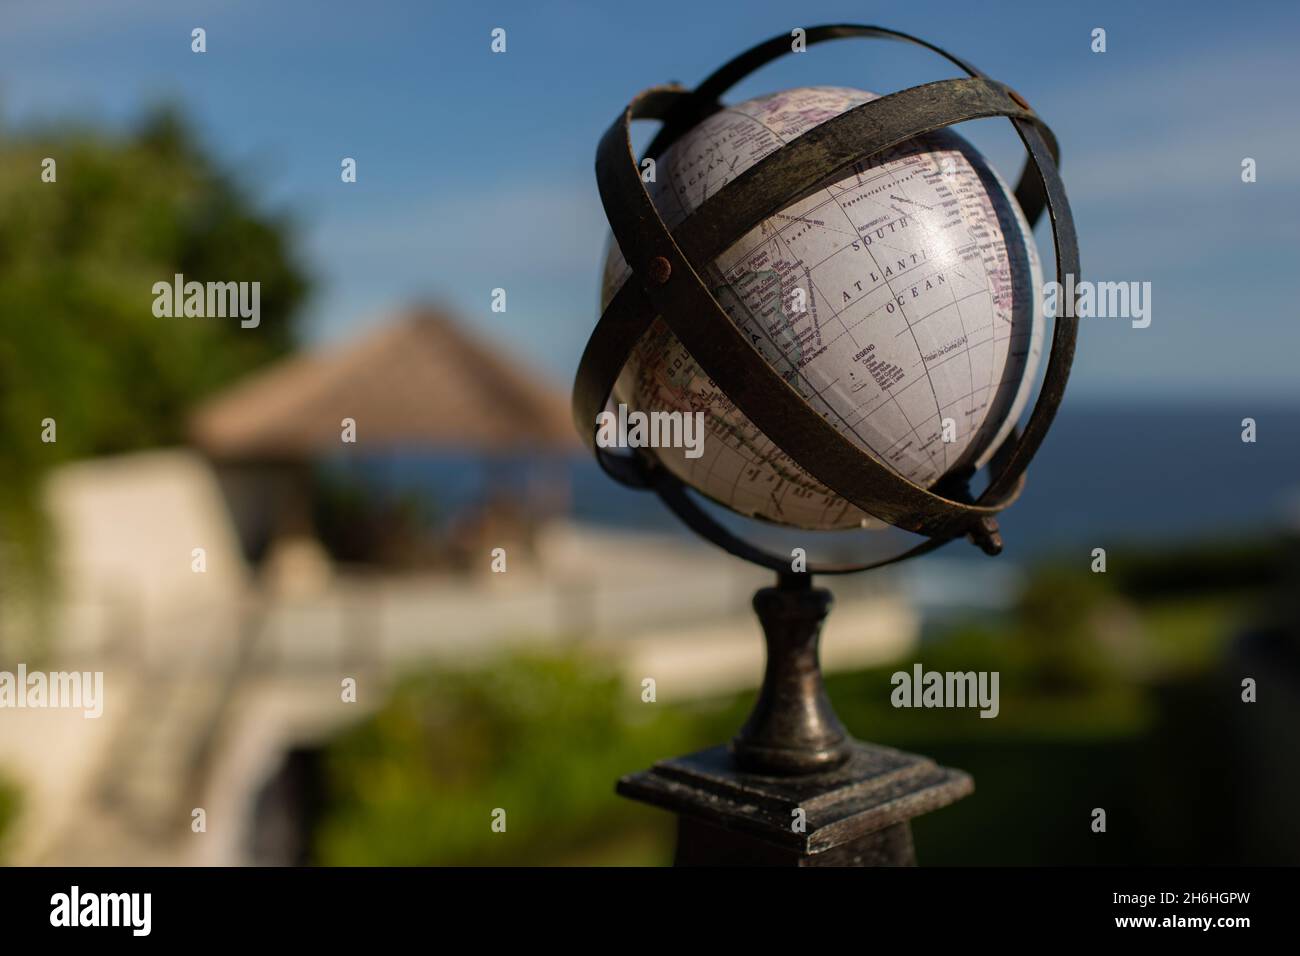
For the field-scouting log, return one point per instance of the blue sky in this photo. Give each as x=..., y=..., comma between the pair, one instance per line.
x=475, y=170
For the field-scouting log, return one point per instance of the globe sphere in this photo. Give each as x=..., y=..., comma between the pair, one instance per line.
x=900, y=299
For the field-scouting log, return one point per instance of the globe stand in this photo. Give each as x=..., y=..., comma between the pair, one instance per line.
x=740, y=805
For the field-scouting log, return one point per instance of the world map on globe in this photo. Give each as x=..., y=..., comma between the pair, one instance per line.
x=899, y=299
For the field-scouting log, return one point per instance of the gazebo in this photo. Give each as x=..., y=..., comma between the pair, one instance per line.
x=420, y=384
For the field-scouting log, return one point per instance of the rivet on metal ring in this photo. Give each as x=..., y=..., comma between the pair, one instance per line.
x=659, y=270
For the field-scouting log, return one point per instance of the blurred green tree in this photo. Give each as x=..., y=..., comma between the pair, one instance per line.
x=9, y=807
x=1058, y=620
x=79, y=342
x=540, y=736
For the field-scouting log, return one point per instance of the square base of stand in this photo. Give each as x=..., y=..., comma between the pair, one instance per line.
x=854, y=815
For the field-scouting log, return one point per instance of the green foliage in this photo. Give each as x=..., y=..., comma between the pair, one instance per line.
x=542, y=737
x=1188, y=634
x=1223, y=566
x=1079, y=726
x=1057, y=627
x=9, y=806
x=78, y=260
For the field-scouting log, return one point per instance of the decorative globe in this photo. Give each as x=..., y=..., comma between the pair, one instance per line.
x=901, y=300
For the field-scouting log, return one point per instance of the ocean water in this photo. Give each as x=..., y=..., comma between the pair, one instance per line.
x=1108, y=474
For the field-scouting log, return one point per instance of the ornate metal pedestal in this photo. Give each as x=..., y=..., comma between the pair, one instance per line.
x=741, y=804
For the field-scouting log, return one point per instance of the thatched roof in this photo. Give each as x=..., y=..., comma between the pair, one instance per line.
x=420, y=381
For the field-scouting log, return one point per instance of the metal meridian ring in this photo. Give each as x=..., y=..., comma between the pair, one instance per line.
x=665, y=283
